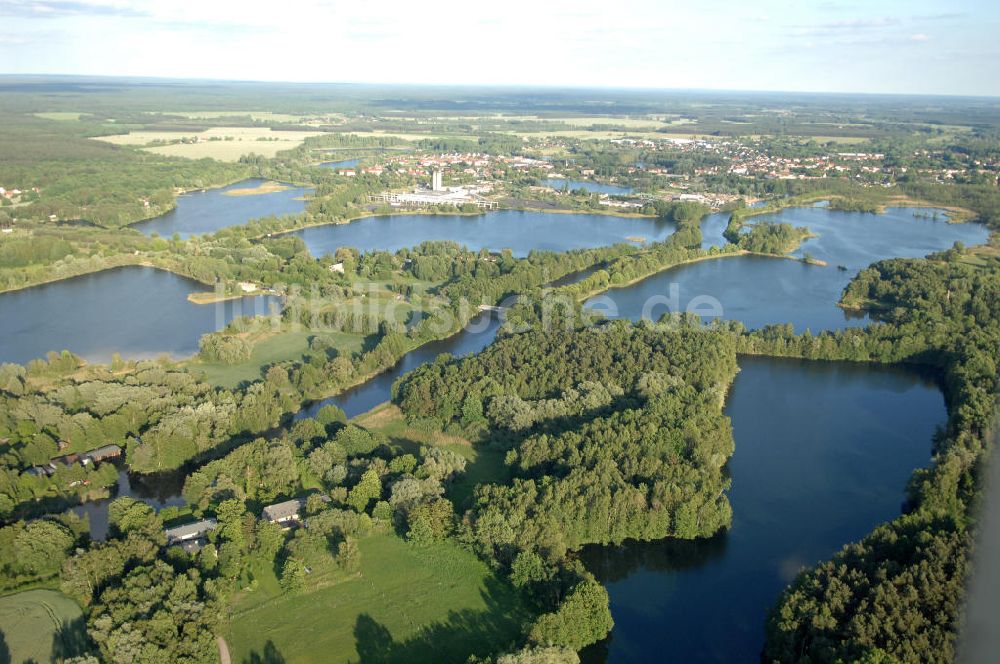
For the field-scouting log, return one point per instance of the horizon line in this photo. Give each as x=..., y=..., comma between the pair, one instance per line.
x=503, y=86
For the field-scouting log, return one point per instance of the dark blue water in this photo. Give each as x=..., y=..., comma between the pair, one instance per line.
x=521, y=232
x=759, y=291
x=139, y=312
x=207, y=211
x=828, y=462
x=593, y=187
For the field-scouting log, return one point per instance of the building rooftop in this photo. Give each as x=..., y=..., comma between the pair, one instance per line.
x=190, y=530
x=283, y=511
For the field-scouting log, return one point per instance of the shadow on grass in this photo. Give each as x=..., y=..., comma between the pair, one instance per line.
x=4, y=649
x=269, y=655
x=497, y=628
x=70, y=640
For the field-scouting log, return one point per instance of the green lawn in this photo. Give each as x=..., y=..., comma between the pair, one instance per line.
x=279, y=348
x=40, y=626
x=435, y=603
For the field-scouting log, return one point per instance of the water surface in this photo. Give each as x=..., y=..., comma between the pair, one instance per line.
x=139, y=312
x=477, y=335
x=521, y=232
x=345, y=163
x=159, y=491
x=828, y=462
x=759, y=291
x=209, y=210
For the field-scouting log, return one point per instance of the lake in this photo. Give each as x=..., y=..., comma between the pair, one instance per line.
x=521, y=232
x=346, y=163
x=759, y=291
x=210, y=210
x=139, y=312
x=593, y=187
x=828, y=462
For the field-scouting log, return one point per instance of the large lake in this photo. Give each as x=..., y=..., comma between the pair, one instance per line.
x=828, y=462
x=210, y=210
x=758, y=290
x=521, y=232
x=138, y=312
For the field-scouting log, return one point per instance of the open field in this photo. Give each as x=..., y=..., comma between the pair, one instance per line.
x=630, y=122
x=40, y=626
x=408, y=603
x=60, y=116
x=221, y=143
x=267, y=116
x=280, y=347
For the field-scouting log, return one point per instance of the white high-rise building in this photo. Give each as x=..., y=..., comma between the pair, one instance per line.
x=436, y=181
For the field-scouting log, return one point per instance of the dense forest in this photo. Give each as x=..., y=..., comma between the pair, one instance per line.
x=611, y=433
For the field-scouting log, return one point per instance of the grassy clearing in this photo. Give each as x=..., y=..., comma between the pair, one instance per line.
x=267, y=350
x=486, y=465
x=259, y=140
x=433, y=603
x=41, y=626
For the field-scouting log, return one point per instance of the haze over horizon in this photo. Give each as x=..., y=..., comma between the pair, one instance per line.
x=920, y=47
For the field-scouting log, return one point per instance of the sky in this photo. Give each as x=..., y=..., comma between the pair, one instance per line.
x=879, y=46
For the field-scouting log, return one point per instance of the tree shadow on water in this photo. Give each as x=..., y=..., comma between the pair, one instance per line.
x=4, y=649
x=269, y=655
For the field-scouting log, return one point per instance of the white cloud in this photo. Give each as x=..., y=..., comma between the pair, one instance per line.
x=919, y=37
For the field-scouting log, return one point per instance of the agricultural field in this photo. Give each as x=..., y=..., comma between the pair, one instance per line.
x=60, y=116
x=40, y=626
x=407, y=603
x=221, y=143
x=630, y=122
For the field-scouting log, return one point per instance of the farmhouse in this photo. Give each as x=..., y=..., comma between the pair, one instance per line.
x=101, y=454
x=190, y=532
x=284, y=512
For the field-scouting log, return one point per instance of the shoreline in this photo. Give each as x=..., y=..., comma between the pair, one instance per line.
x=457, y=213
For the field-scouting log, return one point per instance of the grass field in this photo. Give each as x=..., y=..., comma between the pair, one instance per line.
x=433, y=603
x=283, y=346
x=244, y=140
x=630, y=122
x=61, y=116
x=41, y=626
x=255, y=115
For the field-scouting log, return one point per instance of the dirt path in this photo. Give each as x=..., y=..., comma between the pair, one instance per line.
x=223, y=651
